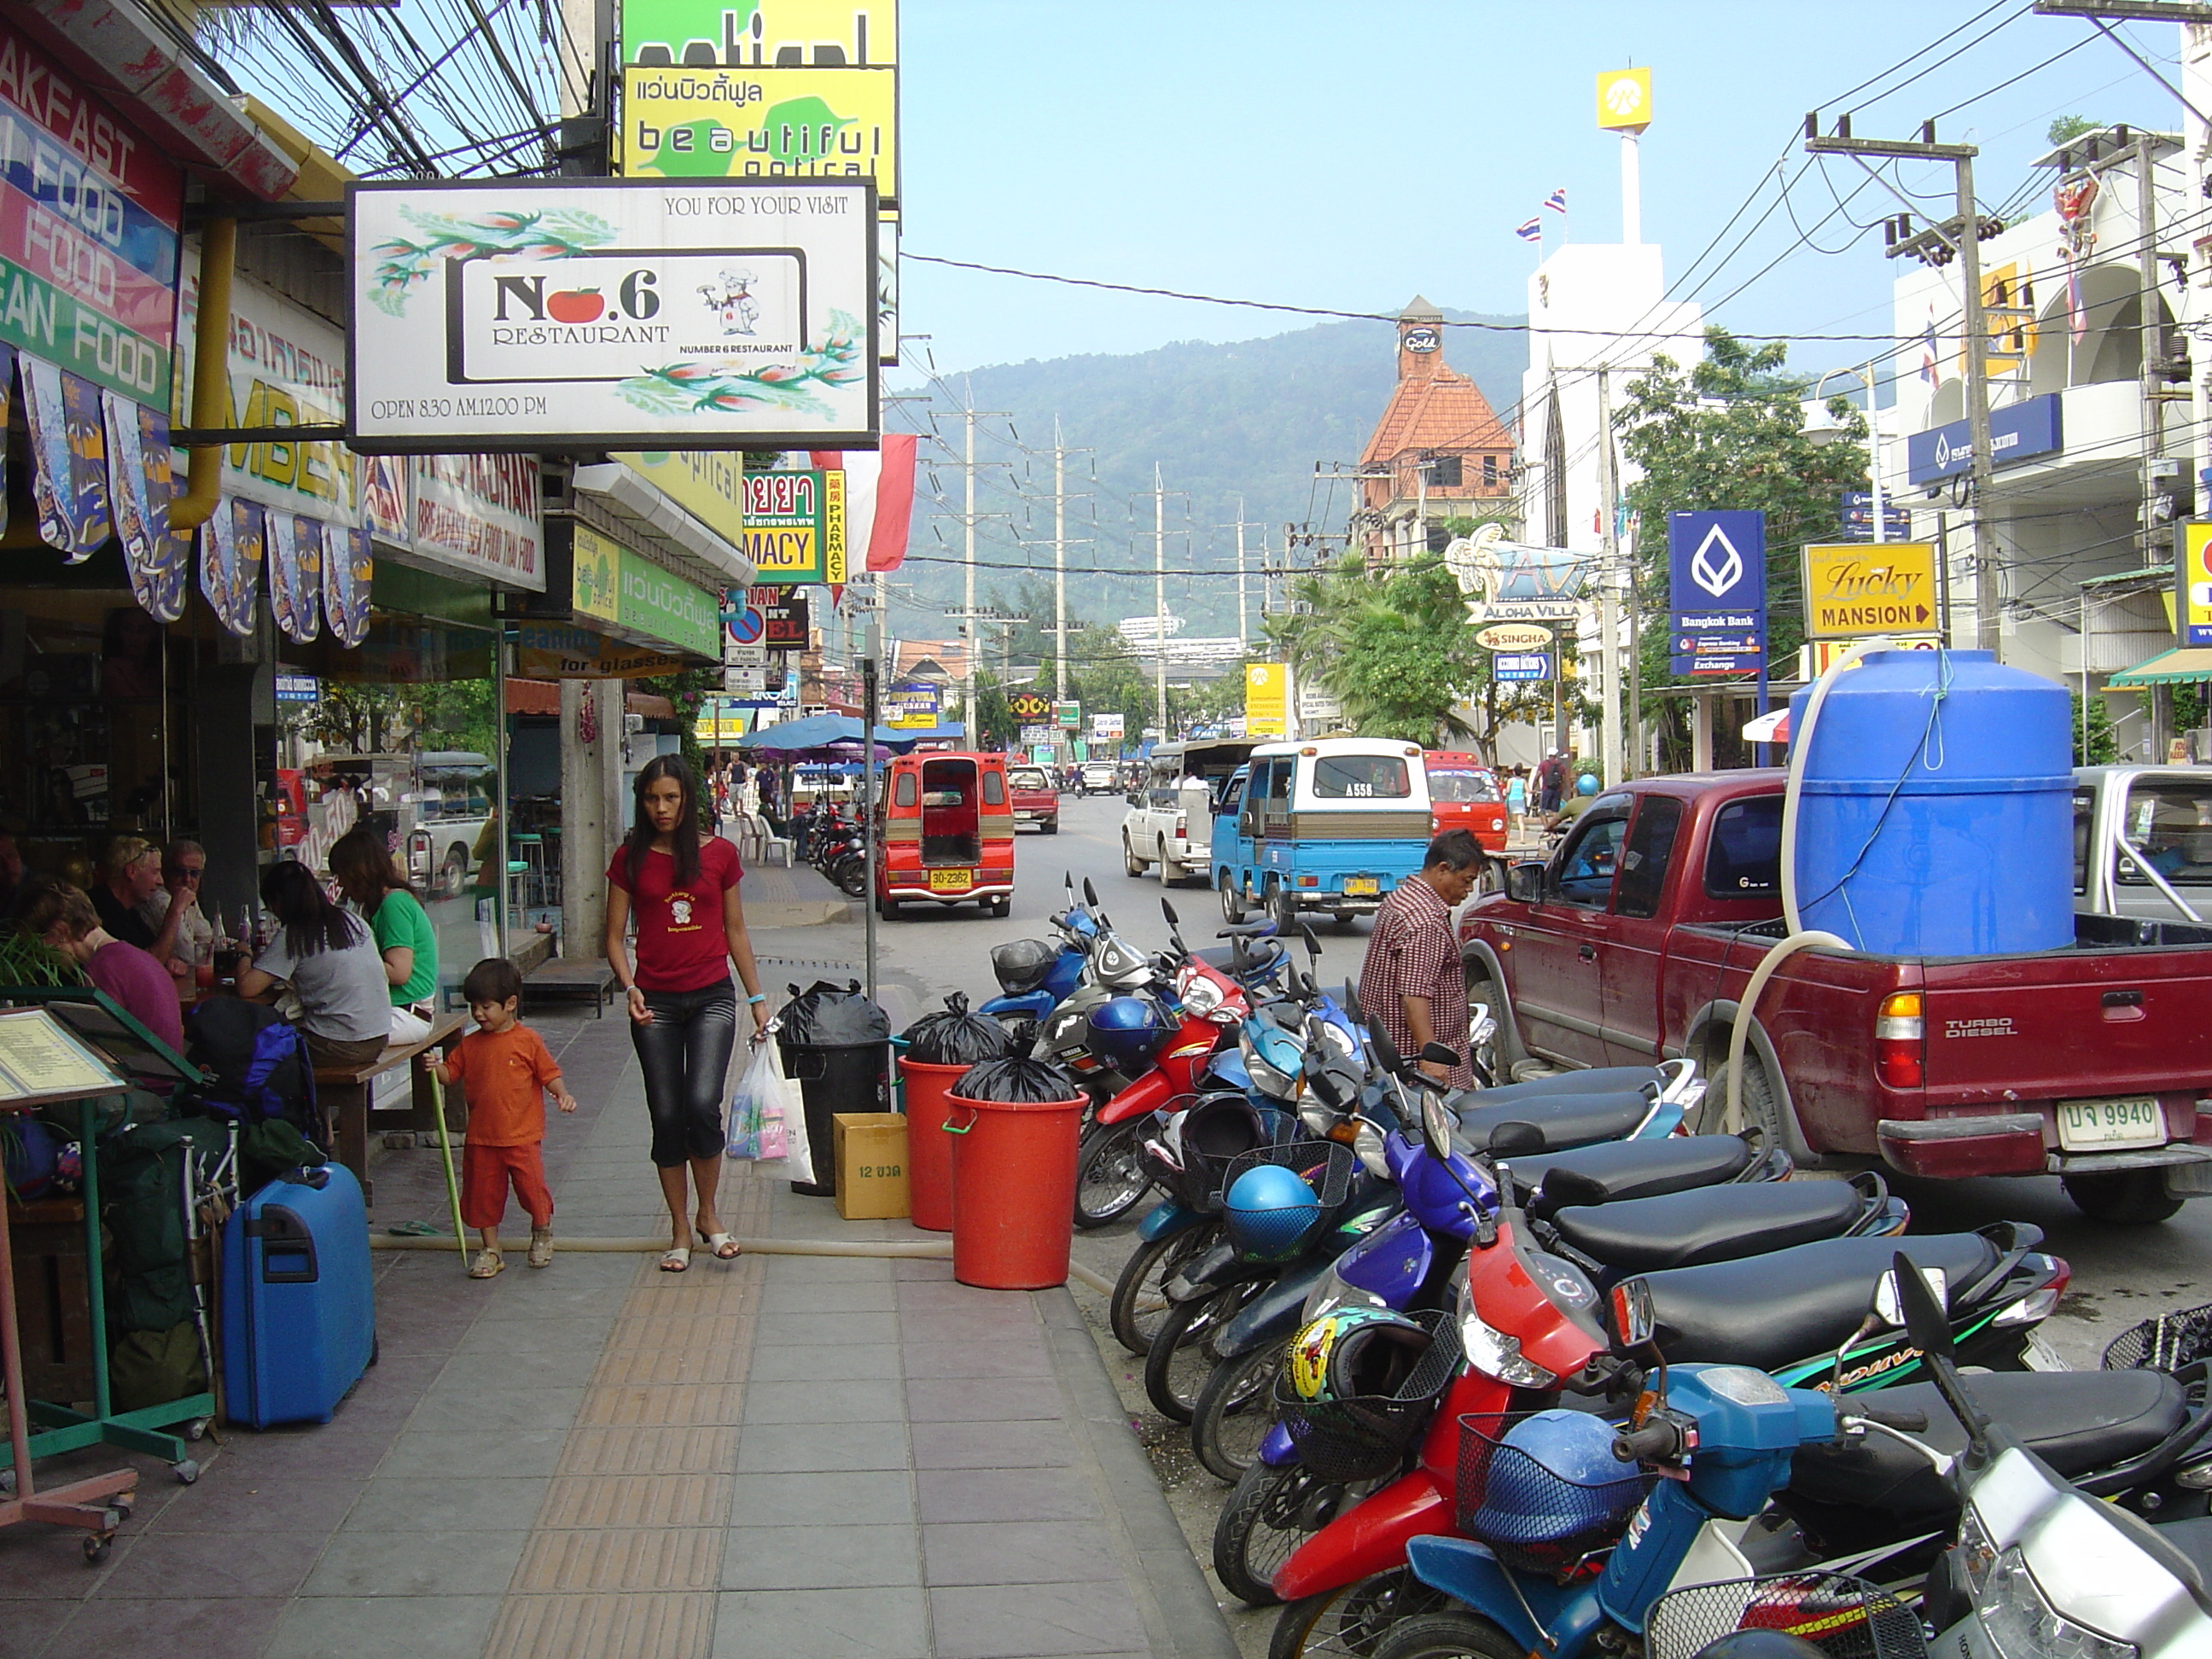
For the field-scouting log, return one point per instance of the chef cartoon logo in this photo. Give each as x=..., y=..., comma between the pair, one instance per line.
x=679, y=911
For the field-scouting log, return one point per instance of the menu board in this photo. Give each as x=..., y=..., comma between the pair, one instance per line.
x=40, y=1060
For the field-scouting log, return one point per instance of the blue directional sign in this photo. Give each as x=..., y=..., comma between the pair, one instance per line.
x=1521, y=666
x=1717, y=589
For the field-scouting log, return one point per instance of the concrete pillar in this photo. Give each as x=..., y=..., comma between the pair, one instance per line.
x=591, y=819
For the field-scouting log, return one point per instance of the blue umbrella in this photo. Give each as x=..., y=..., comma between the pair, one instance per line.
x=817, y=734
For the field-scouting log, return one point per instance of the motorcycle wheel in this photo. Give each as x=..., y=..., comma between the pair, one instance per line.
x=1234, y=1412
x=1181, y=1355
x=1110, y=1176
x=1449, y=1635
x=1138, y=1305
x=1270, y=1514
x=852, y=878
x=1349, y=1621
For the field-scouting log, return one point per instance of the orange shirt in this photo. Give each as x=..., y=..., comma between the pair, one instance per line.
x=506, y=1076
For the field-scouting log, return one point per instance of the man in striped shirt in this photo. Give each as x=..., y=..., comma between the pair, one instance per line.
x=1412, y=980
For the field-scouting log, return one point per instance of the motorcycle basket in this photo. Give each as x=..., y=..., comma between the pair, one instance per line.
x=1326, y=1166
x=2164, y=1344
x=1533, y=1518
x=1364, y=1436
x=1843, y=1617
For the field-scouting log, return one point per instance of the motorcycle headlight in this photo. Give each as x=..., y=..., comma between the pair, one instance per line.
x=1494, y=1353
x=1368, y=1143
x=1269, y=1079
x=1201, y=995
x=2021, y=1624
x=1333, y=1292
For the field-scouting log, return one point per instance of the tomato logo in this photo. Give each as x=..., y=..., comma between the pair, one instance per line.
x=577, y=304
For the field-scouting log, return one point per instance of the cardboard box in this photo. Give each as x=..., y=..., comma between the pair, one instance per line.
x=871, y=1153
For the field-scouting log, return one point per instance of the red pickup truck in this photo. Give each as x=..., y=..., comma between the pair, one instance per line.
x=1635, y=940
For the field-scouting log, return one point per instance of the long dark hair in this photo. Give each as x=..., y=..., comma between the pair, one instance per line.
x=683, y=840
x=364, y=869
x=311, y=922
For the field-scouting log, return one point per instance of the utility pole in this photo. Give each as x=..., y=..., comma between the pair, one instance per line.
x=1608, y=569
x=969, y=415
x=1058, y=566
x=1160, y=604
x=1960, y=236
x=1244, y=608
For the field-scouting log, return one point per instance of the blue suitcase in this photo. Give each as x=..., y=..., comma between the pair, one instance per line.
x=299, y=1324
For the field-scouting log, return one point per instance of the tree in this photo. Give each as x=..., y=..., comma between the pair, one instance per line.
x=2102, y=748
x=1398, y=653
x=1729, y=434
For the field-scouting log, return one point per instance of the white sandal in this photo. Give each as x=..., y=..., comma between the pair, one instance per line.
x=723, y=1245
x=676, y=1260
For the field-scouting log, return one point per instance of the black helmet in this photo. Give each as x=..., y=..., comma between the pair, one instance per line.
x=1022, y=965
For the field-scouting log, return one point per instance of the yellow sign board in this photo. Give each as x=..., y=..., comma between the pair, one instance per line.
x=762, y=124
x=1856, y=588
x=595, y=588
x=1623, y=99
x=1822, y=654
x=1266, y=699
x=708, y=483
x=828, y=33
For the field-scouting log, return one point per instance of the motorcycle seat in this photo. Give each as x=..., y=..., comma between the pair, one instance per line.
x=1776, y=1309
x=1563, y=1121
x=1603, y=1080
x=1713, y=1223
x=2078, y=1422
x=1614, y=1170
x=1263, y=927
x=1222, y=958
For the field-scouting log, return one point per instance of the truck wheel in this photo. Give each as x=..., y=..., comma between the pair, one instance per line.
x=1167, y=870
x=1283, y=907
x=1131, y=863
x=1232, y=902
x=2125, y=1197
x=1052, y=826
x=1761, y=1111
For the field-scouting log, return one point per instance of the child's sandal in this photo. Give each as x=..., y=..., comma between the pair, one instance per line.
x=489, y=1264
x=541, y=1247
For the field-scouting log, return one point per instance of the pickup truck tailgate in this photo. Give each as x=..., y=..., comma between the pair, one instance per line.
x=2068, y=1023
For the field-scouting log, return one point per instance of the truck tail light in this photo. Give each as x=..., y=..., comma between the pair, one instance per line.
x=1899, y=1051
x=1182, y=827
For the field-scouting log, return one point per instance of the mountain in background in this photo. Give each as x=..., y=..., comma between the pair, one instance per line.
x=1252, y=417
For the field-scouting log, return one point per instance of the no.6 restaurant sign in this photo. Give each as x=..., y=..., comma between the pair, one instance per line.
x=612, y=313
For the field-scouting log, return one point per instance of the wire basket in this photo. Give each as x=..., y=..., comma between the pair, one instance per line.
x=1532, y=1516
x=1326, y=1166
x=1363, y=1437
x=1845, y=1618
x=2164, y=1344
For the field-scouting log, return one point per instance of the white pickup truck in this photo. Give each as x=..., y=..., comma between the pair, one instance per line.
x=1169, y=827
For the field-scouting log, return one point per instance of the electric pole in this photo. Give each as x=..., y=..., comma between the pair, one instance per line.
x=1159, y=495
x=1243, y=606
x=1608, y=606
x=1961, y=236
x=969, y=415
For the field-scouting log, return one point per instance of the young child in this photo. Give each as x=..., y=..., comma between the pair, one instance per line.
x=507, y=1070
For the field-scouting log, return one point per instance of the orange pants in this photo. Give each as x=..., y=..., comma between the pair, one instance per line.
x=486, y=1172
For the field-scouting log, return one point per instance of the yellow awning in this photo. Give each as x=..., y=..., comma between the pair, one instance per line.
x=2178, y=668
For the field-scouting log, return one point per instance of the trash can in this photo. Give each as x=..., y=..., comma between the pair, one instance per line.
x=940, y=1047
x=1014, y=1174
x=835, y=1046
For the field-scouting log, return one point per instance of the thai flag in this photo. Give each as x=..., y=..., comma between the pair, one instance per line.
x=1928, y=369
x=1531, y=231
x=1556, y=200
x=878, y=498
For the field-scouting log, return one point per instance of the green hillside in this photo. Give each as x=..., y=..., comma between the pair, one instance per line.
x=1253, y=416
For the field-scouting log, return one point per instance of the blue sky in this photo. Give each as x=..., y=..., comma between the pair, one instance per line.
x=1349, y=155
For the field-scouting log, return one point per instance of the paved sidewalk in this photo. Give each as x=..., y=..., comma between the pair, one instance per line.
x=785, y=1456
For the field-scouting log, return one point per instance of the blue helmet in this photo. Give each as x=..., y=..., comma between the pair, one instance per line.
x=1586, y=785
x=1126, y=1032
x=1553, y=1477
x=1270, y=1213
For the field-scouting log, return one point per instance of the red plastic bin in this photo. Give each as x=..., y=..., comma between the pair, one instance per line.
x=1014, y=1190
x=928, y=1148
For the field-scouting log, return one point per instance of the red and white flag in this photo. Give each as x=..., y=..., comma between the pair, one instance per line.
x=878, y=499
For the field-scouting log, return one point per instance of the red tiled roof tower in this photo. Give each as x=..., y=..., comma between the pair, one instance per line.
x=1438, y=417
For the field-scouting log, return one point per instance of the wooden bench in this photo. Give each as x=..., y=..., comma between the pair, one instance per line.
x=343, y=1091
x=572, y=975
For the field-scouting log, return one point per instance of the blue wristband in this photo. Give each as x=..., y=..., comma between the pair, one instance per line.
x=757, y=996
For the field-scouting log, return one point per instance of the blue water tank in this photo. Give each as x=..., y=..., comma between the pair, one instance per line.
x=1936, y=812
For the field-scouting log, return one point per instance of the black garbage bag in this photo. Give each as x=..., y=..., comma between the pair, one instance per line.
x=824, y=1016
x=1017, y=1078
x=1021, y=964
x=954, y=1036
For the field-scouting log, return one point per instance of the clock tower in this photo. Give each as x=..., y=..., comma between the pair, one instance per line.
x=1421, y=341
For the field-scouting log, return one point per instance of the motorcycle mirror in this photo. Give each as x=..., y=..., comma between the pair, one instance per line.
x=1635, y=1319
x=1352, y=1011
x=1439, y=1053
x=1090, y=893
x=1168, y=911
x=1386, y=1052
x=1436, y=1124
x=1929, y=1325
x=1313, y=944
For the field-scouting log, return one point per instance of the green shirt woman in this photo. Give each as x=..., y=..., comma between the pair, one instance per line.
x=372, y=882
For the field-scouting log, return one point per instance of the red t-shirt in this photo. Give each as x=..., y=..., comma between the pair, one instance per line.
x=680, y=943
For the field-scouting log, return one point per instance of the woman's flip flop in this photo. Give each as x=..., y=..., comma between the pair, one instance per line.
x=674, y=1261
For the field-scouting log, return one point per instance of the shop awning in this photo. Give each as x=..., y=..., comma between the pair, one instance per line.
x=2178, y=668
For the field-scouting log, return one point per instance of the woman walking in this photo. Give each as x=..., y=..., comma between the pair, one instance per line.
x=367, y=874
x=683, y=892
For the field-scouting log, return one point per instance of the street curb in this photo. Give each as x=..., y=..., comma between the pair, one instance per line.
x=1185, y=1620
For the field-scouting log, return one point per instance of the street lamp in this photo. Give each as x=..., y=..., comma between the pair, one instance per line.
x=1825, y=429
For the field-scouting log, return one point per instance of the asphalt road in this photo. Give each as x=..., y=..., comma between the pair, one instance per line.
x=2121, y=1274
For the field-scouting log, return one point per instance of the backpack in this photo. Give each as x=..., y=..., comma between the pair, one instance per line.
x=259, y=1062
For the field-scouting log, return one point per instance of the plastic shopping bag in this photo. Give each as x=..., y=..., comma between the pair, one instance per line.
x=744, y=1138
x=766, y=1120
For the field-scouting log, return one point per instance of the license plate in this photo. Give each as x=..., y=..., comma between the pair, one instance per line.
x=2086, y=1124
x=1360, y=887
x=1022, y=818
x=950, y=881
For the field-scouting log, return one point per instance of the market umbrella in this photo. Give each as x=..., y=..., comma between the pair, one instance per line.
x=1771, y=727
x=818, y=734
